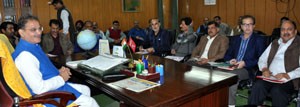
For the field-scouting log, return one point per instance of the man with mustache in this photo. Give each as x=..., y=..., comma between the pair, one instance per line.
x=56, y=43
x=185, y=41
x=281, y=60
x=211, y=47
x=7, y=35
x=243, y=52
x=39, y=74
x=158, y=39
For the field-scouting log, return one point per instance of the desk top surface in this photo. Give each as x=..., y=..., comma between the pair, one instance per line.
x=181, y=82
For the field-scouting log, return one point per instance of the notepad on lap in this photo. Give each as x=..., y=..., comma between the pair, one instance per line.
x=273, y=79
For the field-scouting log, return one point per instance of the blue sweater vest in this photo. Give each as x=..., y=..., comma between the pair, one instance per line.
x=47, y=69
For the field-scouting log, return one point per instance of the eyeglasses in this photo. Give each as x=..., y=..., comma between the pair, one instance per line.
x=247, y=25
x=33, y=30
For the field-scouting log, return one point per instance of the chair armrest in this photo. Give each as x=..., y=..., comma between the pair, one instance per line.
x=47, y=98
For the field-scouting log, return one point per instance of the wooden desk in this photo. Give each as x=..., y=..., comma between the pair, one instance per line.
x=183, y=86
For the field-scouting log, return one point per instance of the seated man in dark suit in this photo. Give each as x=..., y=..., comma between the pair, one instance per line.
x=137, y=33
x=243, y=52
x=211, y=47
x=281, y=60
x=158, y=39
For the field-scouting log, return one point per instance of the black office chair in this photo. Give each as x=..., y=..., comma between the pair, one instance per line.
x=172, y=36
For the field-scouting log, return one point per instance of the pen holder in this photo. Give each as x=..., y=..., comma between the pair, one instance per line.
x=145, y=61
x=151, y=69
x=160, y=69
x=138, y=68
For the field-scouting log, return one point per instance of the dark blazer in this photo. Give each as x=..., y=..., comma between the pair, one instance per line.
x=160, y=42
x=255, y=48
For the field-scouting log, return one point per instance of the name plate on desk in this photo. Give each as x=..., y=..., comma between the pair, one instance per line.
x=103, y=64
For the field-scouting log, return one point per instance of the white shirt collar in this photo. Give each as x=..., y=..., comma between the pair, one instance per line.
x=208, y=37
x=287, y=43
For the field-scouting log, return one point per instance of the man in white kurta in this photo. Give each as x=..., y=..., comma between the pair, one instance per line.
x=39, y=73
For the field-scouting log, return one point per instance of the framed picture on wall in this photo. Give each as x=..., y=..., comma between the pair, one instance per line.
x=131, y=5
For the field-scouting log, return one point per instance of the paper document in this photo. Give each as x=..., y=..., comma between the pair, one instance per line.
x=135, y=84
x=103, y=47
x=273, y=79
x=118, y=51
x=175, y=58
x=104, y=62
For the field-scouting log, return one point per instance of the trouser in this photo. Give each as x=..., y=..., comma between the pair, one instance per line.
x=85, y=99
x=280, y=93
x=242, y=75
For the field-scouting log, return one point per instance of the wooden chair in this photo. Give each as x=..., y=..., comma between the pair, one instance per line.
x=6, y=99
x=14, y=92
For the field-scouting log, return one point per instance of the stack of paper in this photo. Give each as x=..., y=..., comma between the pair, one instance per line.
x=104, y=62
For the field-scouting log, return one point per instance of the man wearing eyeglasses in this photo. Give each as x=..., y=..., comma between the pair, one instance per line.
x=158, y=40
x=57, y=46
x=115, y=34
x=243, y=52
x=39, y=74
x=280, y=60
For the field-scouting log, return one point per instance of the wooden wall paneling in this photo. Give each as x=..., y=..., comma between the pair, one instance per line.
x=260, y=13
x=205, y=12
x=296, y=14
x=270, y=17
x=196, y=15
x=231, y=13
x=240, y=8
x=222, y=7
x=42, y=12
x=214, y=10
x=79, y=12
x=280, y=9
x=167, y=14
x=249, y=7
x=182, y=8
x=52, y=12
